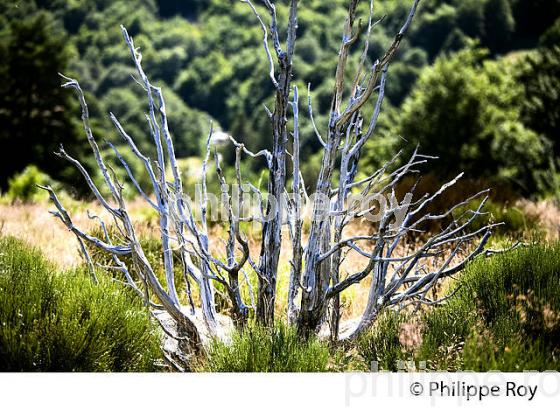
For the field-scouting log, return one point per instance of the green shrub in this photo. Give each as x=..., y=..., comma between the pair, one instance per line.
x=550, y=179
x=381, y=344
x=446, y=330
x=514, y=221
x=151, y=246
x=64, y=322
x=507, y=314
x=482, y=352
x=23, y=186
x=258, y=349
x=495, y=281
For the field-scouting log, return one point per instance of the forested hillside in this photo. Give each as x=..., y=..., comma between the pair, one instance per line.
x=475, y=81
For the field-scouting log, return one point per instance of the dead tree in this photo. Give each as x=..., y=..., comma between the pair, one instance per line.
x=317, y=277
x=272, y=227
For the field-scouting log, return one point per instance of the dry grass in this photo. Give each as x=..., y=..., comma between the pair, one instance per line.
x=547, y=213
x=32, y=223
x=35, y=225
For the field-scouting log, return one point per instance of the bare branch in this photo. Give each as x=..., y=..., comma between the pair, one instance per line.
x=265, y=42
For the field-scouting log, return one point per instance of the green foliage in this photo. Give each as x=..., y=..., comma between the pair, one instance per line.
x=540, y=75
x=151, y=246
x=435, y=27
x=499, y=207
x=36, y=115
x=481, y=354
x=550, y=180
x=258, y=349
x=446, y=330
x=55, y=321
x=23, y=186
x=188, y=8
x=208, y=58
x=505, y=316
x=551, y=37
x=514, y=221
x=467, y=112
x=499, y=24
x=208, y=86
x=404, y=73
x=188, y=127
x=381, y=344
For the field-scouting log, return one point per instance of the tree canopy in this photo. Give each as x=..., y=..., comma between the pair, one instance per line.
x=208, y=58
x=36, y=115
x=467, y=111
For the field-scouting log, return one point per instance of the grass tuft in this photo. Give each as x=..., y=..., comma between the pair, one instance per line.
x=506, y=316
x=62, y=321
x=259, y=349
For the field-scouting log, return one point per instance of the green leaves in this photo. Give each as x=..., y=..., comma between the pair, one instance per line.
x=62, y=321
x=36, y=115
x=468, y=112
x=540, y=74
x=209, y=53
x=258, y=349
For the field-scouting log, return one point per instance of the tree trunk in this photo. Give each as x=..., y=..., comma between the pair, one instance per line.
x=272, y=228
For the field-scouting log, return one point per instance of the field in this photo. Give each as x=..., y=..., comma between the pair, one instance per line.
x=451, y=337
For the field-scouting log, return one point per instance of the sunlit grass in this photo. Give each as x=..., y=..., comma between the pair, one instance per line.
x=258, y=349
x=63, y=321
x=451, y=335
x=505, y=316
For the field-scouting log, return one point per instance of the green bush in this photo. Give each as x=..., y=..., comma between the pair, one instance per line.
x=483, y=353
x=258, y=349
x=54, y=321
x=23, y=186
x=514, y=221
x=381, y=344
x=505, y=316
x=151, y=246
x=479, y=103
x=446, y=331
x=550, y=180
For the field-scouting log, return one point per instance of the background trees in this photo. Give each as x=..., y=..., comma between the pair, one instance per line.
x=208, y=55
x=468, y=112
x=541, y=104
x=35, y=114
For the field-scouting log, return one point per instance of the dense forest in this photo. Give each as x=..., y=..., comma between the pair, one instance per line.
x=476, y=82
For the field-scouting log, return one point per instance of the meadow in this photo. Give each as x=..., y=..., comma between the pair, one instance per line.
x=504, y=313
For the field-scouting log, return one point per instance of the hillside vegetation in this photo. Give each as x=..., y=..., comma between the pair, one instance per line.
x=496, y=99
x=62, y=321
